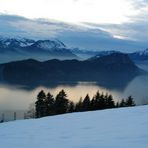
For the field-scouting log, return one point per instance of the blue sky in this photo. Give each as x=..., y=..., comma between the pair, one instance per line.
x=79, y=23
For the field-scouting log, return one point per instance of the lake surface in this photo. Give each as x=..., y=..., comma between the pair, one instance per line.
x=19, y=98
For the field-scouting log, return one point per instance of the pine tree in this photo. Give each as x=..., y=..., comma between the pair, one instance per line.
x=96, y=101
x=49, y=101
x=61, y=102
x=92, y=104
x=86, y=103
x=122, y=103
x=130, y=101
x=40, y=104
x=71, y=107
x=110, y=102
x=102, y=102
x=79, y=106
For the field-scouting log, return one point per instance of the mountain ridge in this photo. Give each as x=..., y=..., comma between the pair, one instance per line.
x=106, y=70
x=18, y=49
x=134, y=56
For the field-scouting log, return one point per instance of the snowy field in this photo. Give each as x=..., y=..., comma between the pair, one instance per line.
x=114, y=128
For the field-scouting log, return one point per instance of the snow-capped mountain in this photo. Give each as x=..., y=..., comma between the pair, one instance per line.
x=12, y=42
x=49, y=45
x=22, y=48
x=145, y=52
x=103, y=53
x=92, y=54
x=134, y=56
x=139, y=55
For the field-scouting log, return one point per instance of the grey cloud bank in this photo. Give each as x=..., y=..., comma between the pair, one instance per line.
x=85, y=36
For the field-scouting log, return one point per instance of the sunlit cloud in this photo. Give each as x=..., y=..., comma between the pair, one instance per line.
x=80, y=23
x=76, y=11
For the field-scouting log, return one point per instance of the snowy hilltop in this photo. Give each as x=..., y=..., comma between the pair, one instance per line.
x=112, y=128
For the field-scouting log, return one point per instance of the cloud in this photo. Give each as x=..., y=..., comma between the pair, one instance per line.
x=40, y=28
x=76, y=11
x=97, y=24
x=136, y=29
x=13, y=25
x=138, y=4
x=85, y=36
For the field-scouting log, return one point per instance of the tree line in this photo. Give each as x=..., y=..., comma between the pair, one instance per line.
x=47, y=105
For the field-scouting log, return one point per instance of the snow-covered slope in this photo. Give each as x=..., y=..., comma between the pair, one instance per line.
x=114, y=128
x=15, y=42
x=49, y=45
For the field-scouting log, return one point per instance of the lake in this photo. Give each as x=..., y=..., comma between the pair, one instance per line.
x=19, y=98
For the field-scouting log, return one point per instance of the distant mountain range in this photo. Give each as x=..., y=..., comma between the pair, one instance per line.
x=114, y=69
x=13, y=49
x=135, y=56
x=17, y=49
x=139, y=55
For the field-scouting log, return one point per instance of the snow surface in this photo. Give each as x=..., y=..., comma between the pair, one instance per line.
x=23, y=42
x=114, y=128
x=48, y=44
x=142, y=53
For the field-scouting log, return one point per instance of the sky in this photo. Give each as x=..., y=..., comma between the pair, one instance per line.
x=76, y=11
x=115, y=19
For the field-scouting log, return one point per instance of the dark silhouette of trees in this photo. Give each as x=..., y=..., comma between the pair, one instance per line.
x=71, y=107
x=49, y=101
x=95, y=101
x=130, y=101
x=46, y=105
x=78, y=106
x=122, y=103
x=93, y=104
x=61, y=102
x=102, y=102
x=40, y=104
x=86, y=103
x=109, y=101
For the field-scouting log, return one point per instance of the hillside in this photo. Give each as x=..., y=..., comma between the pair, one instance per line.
x=136, y=56
x=139, y=55
x=107, y=70
x=114, y=128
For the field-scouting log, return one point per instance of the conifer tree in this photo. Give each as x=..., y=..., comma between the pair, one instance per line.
x=40, y=104
x=49, y=101
x=110, y=102
x=71, y=107
x=46, y=104
x=61, y=102
x=86, y=103
x=130, y=101
x=78, y=107
x=96, y=101
x=92, y=104
x=122, y=103
x=102, y=102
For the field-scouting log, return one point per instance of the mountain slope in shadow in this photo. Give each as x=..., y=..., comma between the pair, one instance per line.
x=114, y=70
